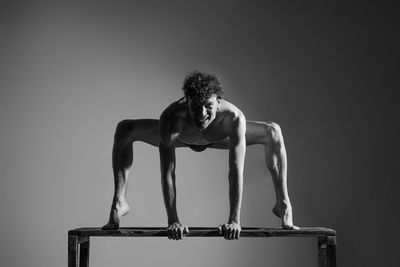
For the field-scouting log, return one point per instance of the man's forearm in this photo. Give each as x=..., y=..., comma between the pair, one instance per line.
x=169, y=194
x=167, y=164
x=235, y=195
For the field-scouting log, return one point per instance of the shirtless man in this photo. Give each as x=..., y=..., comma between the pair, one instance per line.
x=201, y=119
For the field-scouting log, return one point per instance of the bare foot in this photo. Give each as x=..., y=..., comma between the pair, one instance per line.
x=287, y=217
x=118, y=209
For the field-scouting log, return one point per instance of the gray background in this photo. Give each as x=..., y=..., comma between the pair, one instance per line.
x=326, y=72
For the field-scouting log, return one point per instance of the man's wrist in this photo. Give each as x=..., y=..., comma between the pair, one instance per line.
x=234, y=220
x=176, y=220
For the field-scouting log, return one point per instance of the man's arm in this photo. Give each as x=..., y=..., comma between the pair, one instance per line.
x=167, y=163
x=237, y=151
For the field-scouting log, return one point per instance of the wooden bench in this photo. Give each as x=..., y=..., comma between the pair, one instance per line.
x=79, y=239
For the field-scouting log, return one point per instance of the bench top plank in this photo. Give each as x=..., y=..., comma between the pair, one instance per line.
x=202, y=232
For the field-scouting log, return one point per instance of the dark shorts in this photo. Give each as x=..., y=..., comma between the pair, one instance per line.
x=199, y=148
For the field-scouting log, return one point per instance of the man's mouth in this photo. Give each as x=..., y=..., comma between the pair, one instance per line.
x=201, y=121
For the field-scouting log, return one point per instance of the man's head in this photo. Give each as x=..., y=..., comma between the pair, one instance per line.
x=203, y=93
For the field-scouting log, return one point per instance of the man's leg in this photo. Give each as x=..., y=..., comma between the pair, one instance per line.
x=270, y=135
x=127, y=132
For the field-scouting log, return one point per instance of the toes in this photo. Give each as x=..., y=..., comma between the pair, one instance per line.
x=110, y=226
x=290, y=227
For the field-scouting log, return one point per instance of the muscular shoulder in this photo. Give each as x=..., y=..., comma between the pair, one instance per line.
x=172, y=119
x=174, y=113
x=231, y=113
x=233, y=117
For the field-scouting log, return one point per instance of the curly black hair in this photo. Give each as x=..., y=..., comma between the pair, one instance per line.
x=199, y=86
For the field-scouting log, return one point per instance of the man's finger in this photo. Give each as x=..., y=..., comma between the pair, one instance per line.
x=226, y=230
x=232, y=234
x=237, y=234
x=169, y=233
x=180, y=233
x=220, y=229
x=228, y=233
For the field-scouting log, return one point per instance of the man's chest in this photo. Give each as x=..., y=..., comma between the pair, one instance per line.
x=192, y=135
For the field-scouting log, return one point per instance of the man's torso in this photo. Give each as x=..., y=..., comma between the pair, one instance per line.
x=188, y=133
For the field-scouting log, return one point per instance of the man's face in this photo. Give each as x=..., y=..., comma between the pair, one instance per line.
x=203, y=113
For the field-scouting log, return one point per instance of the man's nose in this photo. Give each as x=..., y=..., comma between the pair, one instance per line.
x=201, y=112
x=204, y=111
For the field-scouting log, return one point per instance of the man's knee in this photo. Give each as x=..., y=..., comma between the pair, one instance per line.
x=124, y=131
x=273, y=133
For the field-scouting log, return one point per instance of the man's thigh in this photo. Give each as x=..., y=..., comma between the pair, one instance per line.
x=256, y=133
x=147, y=131
x=144, y=130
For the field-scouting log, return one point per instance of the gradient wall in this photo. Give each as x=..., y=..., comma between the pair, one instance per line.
x=326, y=72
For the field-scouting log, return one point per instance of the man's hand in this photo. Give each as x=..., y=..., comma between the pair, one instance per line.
x=176, y=231
x=230, y=230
